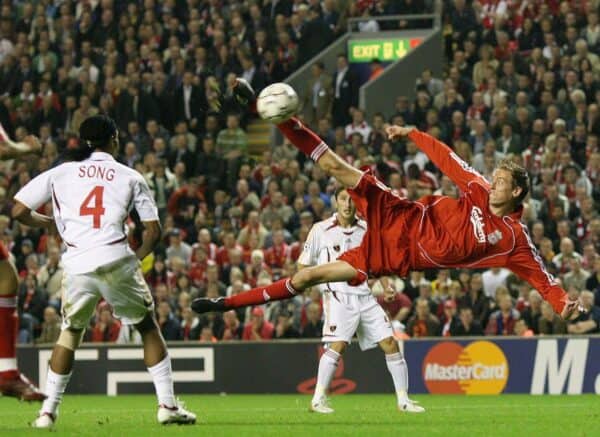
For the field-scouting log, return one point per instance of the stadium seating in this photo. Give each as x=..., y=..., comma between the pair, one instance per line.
x=521, y=79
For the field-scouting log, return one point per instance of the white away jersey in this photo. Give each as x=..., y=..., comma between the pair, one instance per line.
x=326, y=241
x=91, y=200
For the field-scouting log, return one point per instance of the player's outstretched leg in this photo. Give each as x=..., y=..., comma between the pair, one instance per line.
x=158, y=362
x=396, y=365
x=327, y=367
x=304, y=139
x=308, y=142
x=12, y=382
x=337, y=271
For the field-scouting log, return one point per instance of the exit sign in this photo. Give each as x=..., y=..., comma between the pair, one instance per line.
x=365, y=50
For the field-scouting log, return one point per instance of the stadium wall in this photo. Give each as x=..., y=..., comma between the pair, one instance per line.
x=460, y=366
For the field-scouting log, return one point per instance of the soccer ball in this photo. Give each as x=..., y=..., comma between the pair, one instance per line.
x=277, y=103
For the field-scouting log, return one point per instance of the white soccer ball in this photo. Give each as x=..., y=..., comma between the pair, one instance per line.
x=277, y=103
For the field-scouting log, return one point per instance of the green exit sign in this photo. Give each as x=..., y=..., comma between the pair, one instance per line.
x=365, y=50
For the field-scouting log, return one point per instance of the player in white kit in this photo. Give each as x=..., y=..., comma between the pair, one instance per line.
x=350, y=310
x=91, y=199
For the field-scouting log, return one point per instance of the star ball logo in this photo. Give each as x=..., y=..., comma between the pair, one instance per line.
x=478, y=368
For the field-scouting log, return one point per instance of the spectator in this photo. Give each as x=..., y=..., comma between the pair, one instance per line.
x=549, y=323
x=522, y=330
x=50, y=326
x=449, y=319
x=32, y=301
x=563, y=260
x=254, y=227
x=106, y=328
x=423, y=323
x=178, y=248
x=168, y=323
x=318, y=99
x=345, y=92
x=284, y=327
x=233, y=328
x=232, y=147
x=258, y=328
x=492, y=279
x=314, y=325
x=394, y=302
x=577, y=277
x=588, y=322
x=467, y=326
x=190, y=325
x=50, y=275
x=358, y=125
x=476, y=299
x=502, y=321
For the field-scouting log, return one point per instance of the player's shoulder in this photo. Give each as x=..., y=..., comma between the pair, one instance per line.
x=325, y=225
x=361, y=224
x=128, y=172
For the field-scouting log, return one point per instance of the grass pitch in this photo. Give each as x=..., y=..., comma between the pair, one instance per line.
x=287, y=415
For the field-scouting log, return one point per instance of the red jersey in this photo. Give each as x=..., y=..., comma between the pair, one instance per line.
x=442, y=232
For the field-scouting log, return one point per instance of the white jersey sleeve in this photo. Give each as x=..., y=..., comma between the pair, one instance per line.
x=36, y=192
x=310, y=252
x=143, y=202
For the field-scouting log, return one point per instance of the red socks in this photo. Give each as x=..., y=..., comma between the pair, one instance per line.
x=303, y=138
x=279, y=290
x=9, y=327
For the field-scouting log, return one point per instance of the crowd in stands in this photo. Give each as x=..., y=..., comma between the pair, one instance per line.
x=520, y=80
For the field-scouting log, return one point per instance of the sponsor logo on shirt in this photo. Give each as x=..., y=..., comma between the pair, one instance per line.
x=478, y=225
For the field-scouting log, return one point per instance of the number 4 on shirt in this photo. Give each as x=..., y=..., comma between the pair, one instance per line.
x=93, y=205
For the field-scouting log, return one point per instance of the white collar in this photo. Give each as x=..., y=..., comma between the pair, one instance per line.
x=101, y=156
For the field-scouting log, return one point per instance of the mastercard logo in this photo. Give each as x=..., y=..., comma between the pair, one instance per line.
x=478, y=368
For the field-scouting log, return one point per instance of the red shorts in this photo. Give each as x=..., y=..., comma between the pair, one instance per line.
x=391, y=222
x=3, y=252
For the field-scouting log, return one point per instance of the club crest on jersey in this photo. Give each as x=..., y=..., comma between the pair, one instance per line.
x=494, y=237
x=336, y=248
x=478, y=225
x=332, y=328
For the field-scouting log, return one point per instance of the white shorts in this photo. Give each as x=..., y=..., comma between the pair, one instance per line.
x=120, y=283
x=349, y=314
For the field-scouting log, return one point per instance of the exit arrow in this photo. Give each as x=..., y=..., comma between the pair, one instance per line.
x=401, y=50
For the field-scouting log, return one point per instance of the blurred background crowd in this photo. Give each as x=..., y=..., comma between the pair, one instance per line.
x=520, y=79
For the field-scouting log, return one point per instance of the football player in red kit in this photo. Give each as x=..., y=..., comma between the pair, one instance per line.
x=480, y=229
x=12, y=382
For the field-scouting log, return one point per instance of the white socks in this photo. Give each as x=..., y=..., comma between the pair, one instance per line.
x=327, y=365
x=163, y=382
x=397, y=367
x=55, y=388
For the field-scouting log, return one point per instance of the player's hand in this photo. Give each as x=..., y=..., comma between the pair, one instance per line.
x=396, y=132
x=573, y=308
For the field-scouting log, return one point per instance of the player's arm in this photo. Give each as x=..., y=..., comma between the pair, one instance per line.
x=25, y=215
x=526, y=263
x=150, y=238
x=29, y=198
x=11, y=150
x=144, y=204
x=460, y=172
